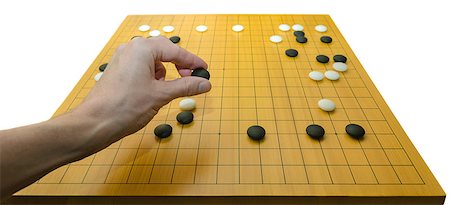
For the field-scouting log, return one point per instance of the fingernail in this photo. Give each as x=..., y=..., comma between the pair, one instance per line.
x=204, y=87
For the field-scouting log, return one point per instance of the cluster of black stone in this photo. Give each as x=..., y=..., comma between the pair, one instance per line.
x=316, y=131
x=257, y=132
x=326, y=59
x=165, y=130
x=353, y=130
x=185, y=117
x=301, y=38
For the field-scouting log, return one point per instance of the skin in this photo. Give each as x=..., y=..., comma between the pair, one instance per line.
x=127, y=97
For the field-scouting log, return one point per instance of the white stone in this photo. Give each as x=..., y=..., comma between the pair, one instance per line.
x=276, y=38
x=284, y=27
x=297, y=27
x=201, y=28
x=144, y=28
x=332, y=75
x=316, y=75
x=237, y=28
x=154, y=33
x=327, y=105
x=98, y=76
x=187, y=104
x=321, y=28
x=168, y=29
x=339, y=66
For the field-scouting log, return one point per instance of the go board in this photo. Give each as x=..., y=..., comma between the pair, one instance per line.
x=254, y=82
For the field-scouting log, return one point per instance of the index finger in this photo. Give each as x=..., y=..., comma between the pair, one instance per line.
x=164, y=50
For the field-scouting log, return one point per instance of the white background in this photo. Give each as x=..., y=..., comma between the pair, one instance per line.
x=46, y=46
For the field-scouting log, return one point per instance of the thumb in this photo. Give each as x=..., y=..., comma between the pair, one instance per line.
x=185, y=86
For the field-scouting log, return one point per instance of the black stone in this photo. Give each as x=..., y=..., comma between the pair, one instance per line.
x=185, y=117
x=315, y=131
x=201, y=72
x=301, y=39
x=163, y=130
x=175, y=39
x=299, y=33
x=322, y=58
x=256, y=132
x=103, y=67
x=291, y=52
x=340, y=58
x=326, y=39
x=355, y=131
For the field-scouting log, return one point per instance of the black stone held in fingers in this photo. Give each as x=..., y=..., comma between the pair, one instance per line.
x=256, y=132
x=163, y=130
x=201, y=72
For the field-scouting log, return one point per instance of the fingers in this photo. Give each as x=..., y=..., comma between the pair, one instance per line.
x=120, y=48
x=186, y=86
x=184, y=72
x=164, y=50
x=160, y=71
x=116, y=55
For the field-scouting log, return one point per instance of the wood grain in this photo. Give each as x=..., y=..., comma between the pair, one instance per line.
x=254, y=82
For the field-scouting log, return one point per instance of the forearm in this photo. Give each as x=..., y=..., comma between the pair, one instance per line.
x=130, y=93
x=28, y=153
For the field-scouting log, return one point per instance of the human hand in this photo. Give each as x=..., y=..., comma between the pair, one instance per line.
x=133, y=88
x=126, y=98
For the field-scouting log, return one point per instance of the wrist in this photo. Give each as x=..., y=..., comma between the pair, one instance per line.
x=104, y=122
x=92, y=132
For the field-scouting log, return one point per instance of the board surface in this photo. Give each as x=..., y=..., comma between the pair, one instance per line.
x=254, y=82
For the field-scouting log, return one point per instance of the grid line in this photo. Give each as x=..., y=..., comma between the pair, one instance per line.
x=249, y=58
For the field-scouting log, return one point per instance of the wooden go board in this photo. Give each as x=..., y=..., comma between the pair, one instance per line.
x=254, y=82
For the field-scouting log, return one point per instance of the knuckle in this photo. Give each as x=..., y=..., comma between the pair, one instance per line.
x=188, y=91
